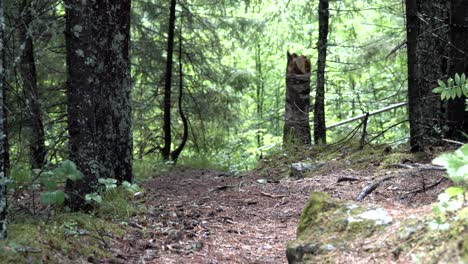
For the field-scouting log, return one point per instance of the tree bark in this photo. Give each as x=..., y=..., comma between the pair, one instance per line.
x=319, y=111
x=296, y=125
x=98, y=93
x=413, y=92
x=176, y=153
x=166, y=150
x=27, y=67
x=430, y=49
x=3, y=138
x=457, y=117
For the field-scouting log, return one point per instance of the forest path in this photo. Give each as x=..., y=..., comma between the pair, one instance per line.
x=205, y=216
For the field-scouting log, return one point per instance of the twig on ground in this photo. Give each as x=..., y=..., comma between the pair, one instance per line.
x=347, y=178
x=424, y=189
x=453, y=141
x=271, y=195
x=371, y=187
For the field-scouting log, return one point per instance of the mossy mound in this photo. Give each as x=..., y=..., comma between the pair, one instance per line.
x=67, y=238
x=433, y=246
x=327, y=227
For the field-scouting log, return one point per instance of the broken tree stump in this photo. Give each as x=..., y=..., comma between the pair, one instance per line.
x=296, y=124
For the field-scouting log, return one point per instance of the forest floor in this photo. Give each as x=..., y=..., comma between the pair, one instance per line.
x=206, y=216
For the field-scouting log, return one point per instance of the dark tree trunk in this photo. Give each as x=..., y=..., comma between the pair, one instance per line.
x=319, y=110
x=413, y=92
x=428, y=52
x=176, y=153
x=37, y=150
x=260, y=98
x=166, y=150
x=98, y=91
x=457, y=117
x=3, y=138
x=296, y=123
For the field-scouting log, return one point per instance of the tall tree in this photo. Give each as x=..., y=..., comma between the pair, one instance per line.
x=176, y=153
x=98, y=92
x=457, y=117
x=3, y=138
x=436, y=50
x=319, y=110
x=166, y=150
x=30, y=89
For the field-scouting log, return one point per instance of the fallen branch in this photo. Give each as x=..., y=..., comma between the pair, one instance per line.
x=424, y=189
x=420, y=167
x=347, y=178
x=271, y=195
x=453, y=141
x=371, y=187
x=221, y=188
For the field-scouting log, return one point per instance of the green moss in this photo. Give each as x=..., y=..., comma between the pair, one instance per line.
x=327, y=226
x=318, y=203
x=430, y=246
x=67, y=238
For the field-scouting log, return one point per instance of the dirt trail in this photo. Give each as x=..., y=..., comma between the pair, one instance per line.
x=203, y=216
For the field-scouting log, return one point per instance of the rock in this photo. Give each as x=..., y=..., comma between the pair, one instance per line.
x=327, y=226
x=297, y=170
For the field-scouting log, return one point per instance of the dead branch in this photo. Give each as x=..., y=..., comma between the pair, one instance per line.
x=371, y=187
x=424, y=189
x=271, y=195
x=419, y=167
x=347, y=178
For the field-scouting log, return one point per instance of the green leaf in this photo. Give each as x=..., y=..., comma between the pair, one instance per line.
x=53, y=198
x=69, y=171
x=133, y=188
x=93, y=197
x=443, y=95
x=457, y=79
x=437, y=90
x=109, y=183
x=454, y=191
x=459, y=92
x=441, y=84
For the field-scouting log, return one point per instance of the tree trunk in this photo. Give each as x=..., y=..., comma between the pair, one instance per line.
x=3, y=138
x=166, y=150
x=30, y=89
x=319, y=113
x=176, y=153
x=457, y=117
x=413, y=92
x=296, y=125
x=98, y=92
x=430, y=49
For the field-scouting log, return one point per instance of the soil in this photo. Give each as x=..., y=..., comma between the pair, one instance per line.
x=205, y=216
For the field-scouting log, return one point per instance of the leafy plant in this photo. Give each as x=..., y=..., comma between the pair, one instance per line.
x=50, y=179
x=453, y=198
x=454, y=88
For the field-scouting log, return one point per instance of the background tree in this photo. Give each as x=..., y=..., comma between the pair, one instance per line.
x=320, y=136
x=435, y=52
x=28, y=74
x=3, y=138
x=98, y=89
x=166, y=149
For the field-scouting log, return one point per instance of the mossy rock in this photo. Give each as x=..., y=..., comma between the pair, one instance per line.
x=327, y=226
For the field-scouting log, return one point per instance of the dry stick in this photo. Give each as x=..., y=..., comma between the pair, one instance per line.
x=271, y=195
x=347, y=178
x=371, y=187
x=424, y=189
x=453, y=141
x=364, y=132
